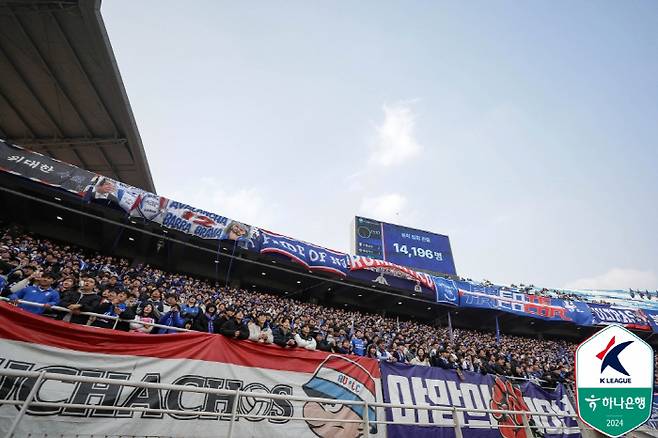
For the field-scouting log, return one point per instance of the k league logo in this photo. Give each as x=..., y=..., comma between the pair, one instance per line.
x=614, y=381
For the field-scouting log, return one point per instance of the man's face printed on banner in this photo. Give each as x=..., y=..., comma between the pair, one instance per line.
x=325, y=428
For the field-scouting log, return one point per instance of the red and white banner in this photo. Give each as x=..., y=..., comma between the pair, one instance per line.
x=34, y=343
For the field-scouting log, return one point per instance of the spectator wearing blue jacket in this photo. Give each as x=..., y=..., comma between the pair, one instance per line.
x=190, y=310
x=42, y=293
x=172, y=318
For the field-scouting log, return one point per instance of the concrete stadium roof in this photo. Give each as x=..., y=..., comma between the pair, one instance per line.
x=61, y=92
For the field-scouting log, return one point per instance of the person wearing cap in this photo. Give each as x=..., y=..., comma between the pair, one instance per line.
x=42, y=293
x=207, y=321
x=259, y=331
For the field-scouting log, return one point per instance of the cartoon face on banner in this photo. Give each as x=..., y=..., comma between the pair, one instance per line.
x=506, y=396
x=339, y=378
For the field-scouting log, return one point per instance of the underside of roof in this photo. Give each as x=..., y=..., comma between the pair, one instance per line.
x=61, y=93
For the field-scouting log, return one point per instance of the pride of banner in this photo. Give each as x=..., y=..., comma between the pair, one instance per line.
x=193, y=359
x=430, y=386
x=312, y=257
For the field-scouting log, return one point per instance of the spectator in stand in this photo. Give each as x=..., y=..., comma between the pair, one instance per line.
x=304, y=339
x=143, y=320
x=345, y=347
x=382, y=354
x=172, y=318
x=283, y=337
x=321, y=343
x=155, y=300
x=235, y=328
x=259, y=331
x=359, y=344
x=420, y=358
x=191, y=309
x=399, y=354
x=84, y=299
x=371, y=351
x=115, y=306
x=22, y=277
x=42, y=293
x=207, y=321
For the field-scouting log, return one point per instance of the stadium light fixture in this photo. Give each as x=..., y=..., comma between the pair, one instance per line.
x=274, y=262
x=132, y=239
x=165, y=231
x=216, y=261
x=360, y=295
x=59, y=218
x=253, y=285
x=429, y=308
x=399, y=303
x=224, y=248
x=133, y=222
x=57, y=199
x=329, y=289
x=299, y=282
x=263, y=273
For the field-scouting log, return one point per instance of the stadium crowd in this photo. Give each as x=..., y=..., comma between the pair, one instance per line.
x=55, y=274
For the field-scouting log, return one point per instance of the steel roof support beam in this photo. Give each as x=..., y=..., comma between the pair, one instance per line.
x=101, y=104
x=50, y=118
x=65, y=143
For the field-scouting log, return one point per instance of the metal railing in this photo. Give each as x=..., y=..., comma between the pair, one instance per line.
x=116, y=319
x=42, y=376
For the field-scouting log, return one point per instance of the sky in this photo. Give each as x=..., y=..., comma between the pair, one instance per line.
x=526, y=131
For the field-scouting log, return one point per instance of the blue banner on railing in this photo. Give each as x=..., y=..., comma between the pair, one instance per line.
x=630, y=318
x=312, y=257
x=652, y=317
x=551, y=309
x=446, y=291
x=405, y=384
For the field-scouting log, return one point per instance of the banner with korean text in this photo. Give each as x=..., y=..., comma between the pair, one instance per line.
x=405, y=384
x=192, y=359
x=40, y=168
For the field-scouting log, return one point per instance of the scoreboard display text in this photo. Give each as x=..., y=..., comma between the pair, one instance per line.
x=416, y=249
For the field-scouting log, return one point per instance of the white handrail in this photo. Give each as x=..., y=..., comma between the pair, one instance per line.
x=97, y=315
